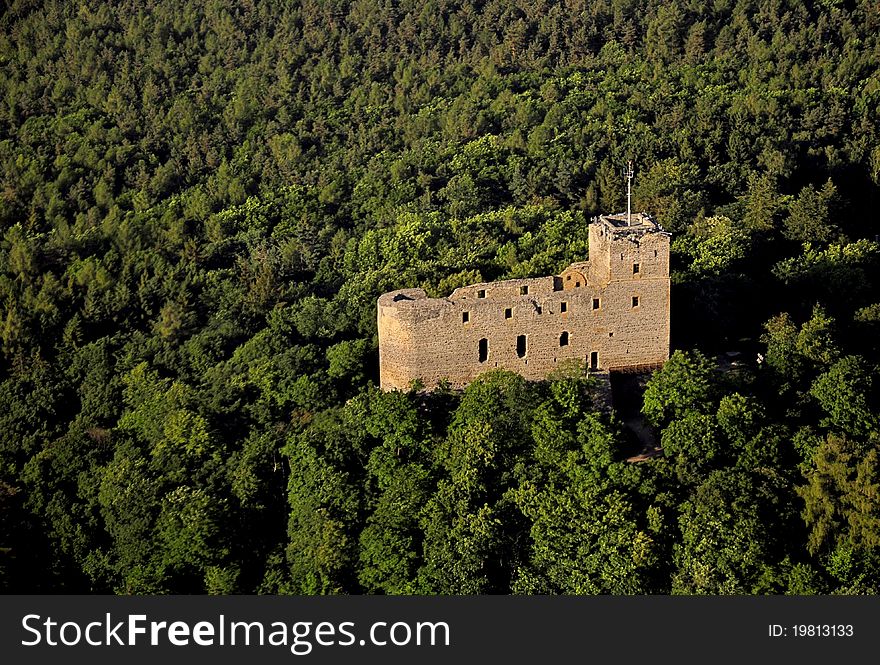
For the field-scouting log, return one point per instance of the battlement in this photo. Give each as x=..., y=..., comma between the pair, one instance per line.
x=610, y=312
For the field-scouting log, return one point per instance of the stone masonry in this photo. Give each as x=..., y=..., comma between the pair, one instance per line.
x=611, y=313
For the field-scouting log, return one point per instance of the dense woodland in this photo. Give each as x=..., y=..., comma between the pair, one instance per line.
x=201, y=201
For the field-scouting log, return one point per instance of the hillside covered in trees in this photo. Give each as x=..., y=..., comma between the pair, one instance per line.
x=200, y=202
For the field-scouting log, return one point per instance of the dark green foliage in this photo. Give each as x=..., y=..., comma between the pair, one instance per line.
x=201, y=202
x=812, y=215
x=733, y=535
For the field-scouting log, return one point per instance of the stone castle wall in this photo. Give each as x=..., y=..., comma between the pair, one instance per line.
x=611, y=312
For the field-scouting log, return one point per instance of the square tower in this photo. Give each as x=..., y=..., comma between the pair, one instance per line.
x=624, y=252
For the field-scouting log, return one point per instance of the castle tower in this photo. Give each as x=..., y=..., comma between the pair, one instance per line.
x=627, y=252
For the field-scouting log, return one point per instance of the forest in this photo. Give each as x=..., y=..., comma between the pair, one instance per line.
x=201, y=200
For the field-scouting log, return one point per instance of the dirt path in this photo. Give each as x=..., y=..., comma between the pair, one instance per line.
x=626, y=391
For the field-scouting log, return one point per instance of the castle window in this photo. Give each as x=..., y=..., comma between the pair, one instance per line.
x=481, y=293
x=563, y=339
x=563, y=307
x=635, y=301
x=568, y=278
x=538, y=309
x=577, y=285
x=611, y=334
x=465, y=317
x=594, y=360
x=635, y=268
x=524, y=290
x=508, y=313
x=655, y=253
x=521, y=346
x=484, y=350
x=595, y=303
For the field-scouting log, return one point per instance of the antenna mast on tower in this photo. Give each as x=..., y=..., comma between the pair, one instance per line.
x=629, y=176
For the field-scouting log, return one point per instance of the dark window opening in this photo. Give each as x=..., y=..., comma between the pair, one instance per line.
x=568, y=278
x=563, y=306
x=611, y=334
x=577, y=285
x=465, y=317
x=595, y=303
x=635, y=268
x=655, y=253
x=484, y=350
x=521, y=346
x=635, y=301
x=481, y=293
x=508, y=313
x=538, y=309
x=594, y=360
x=563, y=339
x=524, y=290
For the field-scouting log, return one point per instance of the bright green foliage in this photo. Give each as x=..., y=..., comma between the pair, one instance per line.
x=811, y=216
x=816, y=339
x=854, y=571
x=762, y=203
x=739, y=417
x=671, y=190
x=684, y=383
x=389, y=544
x=694, y=442
x=840, y=497
x=463, y=521
x=588, y=532
x=323, y=504
x=585, y=542
x=730, y=536
x=794, y=354
x=190, y=529
x=782, y=357
x=461, y=545
x=348, y=360
x=129, y=499
x=844, y=271
x=845, y=394
x=715, y=244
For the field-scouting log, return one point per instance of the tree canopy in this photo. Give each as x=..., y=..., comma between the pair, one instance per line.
x=201, y=202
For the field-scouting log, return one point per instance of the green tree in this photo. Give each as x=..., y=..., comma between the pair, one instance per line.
x=811, y=216
x=839, y=497
x=683, y=384
x=845, y=394
x=732, y=536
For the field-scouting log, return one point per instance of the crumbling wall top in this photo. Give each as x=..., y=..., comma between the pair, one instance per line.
x=640, y=223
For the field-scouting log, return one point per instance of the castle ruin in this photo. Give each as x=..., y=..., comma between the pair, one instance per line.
x=610, y=312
